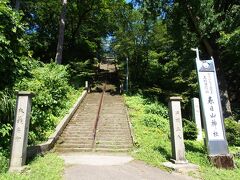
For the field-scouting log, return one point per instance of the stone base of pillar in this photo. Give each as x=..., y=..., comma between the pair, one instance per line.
x=222, y=161
x=183, y=168
x=178, y=161
x=17, y=169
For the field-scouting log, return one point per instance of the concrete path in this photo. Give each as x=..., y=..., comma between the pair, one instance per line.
x=112, y=167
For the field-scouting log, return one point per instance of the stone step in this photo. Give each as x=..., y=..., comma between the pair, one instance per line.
x=118, y=143
x=105, y=140
x=74, y=141
x=111, y=150
x=64, y=149
x=113, y=146
x=113, y=134
x=127, y=139
x=113, y=129
x=87, y=136
x=82, y=134
x=115, y=113
x=75, y=128
x=73, y=145
x=112, y=122
x=81, y=125
x=112, y=126
x=76, y=138
x=83, y=119
x=70, y=142
x=66, y=138
x=84, y=137
x=124, y=135
x=79, y=130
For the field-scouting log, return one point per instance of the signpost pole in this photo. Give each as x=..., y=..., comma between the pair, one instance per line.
x=127, y=75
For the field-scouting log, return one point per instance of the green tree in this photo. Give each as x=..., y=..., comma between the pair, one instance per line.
x=206, y=19
x=201, y=23
x=13, y=45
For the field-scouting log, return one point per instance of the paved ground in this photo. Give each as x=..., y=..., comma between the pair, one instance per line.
x=112, y=167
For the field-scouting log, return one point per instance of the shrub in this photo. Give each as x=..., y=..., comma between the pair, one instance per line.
x=155, y=116
x=3, y=163
x=189, y=130
x=6, y=118
x=50, y=84
x=156, y=108
x=155, y=121
x=232, y=131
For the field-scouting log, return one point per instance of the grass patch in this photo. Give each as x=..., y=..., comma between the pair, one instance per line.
x=153, y=144
x=47, y=167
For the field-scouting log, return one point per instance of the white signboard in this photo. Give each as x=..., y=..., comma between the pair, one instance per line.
x=210, y=99
x=212, y=112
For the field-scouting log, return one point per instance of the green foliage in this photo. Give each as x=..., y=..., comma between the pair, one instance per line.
x=189, y=130
x=13, y=45
x=155, y=115
x=81, y=71
x=5, y=132
x=154, y=120
x=3, y=163
x=50, y=84
x=232, y=131
x=6, y=117
x=157, y=108
x=49, y=166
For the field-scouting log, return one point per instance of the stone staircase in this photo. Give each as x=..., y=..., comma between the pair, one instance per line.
x=78, y=135
x=112, y=133
x=113, y=129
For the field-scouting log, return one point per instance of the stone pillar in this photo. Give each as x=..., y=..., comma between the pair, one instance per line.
x=20, y=131
x=178, y=148
x=197, y=117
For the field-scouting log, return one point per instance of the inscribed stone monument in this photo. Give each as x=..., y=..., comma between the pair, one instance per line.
x=20, y=131
x=178, y=148
x=212, y=114
x=197, y=117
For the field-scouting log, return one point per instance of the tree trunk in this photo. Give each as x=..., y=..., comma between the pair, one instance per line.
x=58, y=58
x=17, y=4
